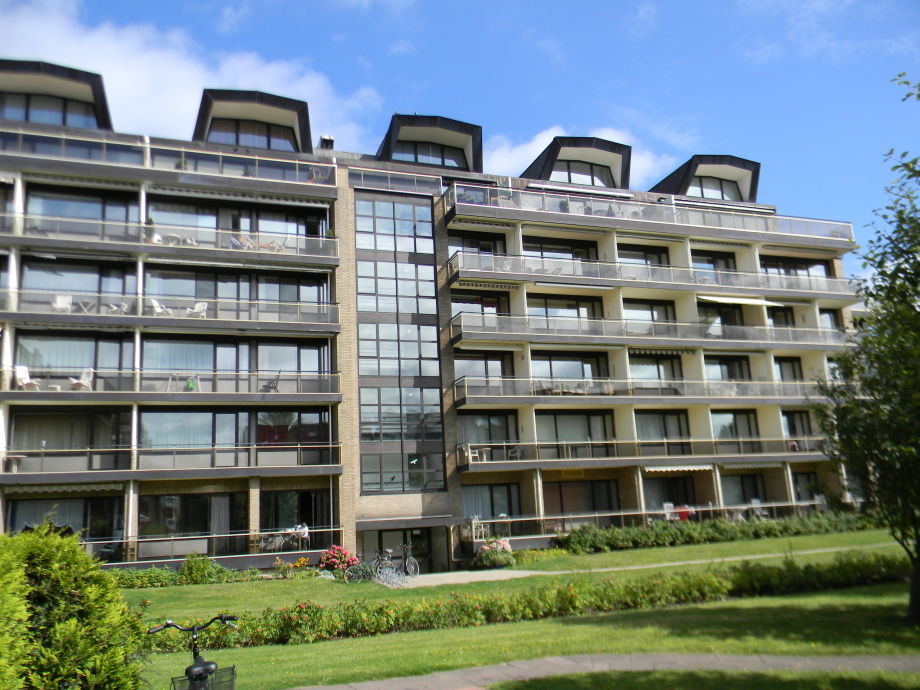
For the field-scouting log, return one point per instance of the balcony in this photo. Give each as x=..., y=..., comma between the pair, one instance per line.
x=561, y=329
x=490, y=391
x=166, y=239
x=177, y=311
x=525, y=268
x=610, y=212
x=56, y=461
x=151, y=385
x=135, y=152
x=506, y=455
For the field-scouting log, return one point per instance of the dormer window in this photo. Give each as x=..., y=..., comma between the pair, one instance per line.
x=714, y=188
x=251, y=134
x=430, y=154
x=47, y=110
x=580, y=172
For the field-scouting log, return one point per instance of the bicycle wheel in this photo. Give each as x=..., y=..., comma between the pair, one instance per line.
x=411, y=567
x=385, y=570
x=354, y=573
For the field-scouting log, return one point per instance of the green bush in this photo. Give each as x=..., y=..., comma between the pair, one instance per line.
x=80, y=630
x=195, y=570
x=590, y=539
x=14, y=633
x=526, y=557
x=495, y=553
x=309, y=622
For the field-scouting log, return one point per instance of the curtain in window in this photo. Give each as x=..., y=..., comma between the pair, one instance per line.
x=62, y=512
x=477, y=501
x=177, y=356
x=57, y=431
x=61, y=278
x=220, y=514
x=54, y=353
x=176, y=429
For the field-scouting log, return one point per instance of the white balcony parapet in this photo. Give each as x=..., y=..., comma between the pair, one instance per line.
x=531, y=200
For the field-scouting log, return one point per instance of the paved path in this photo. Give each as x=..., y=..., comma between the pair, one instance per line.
x=456, y=577
x=482, y=676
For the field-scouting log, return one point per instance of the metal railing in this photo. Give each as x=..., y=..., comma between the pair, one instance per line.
x=603, y=270
x=506, y=326
x=171, y=457
x=528, y=526
x=168, y=306
x=140, y=153
x=92, y=380
x=81, y=230
x=667, y=213
x=557, y=451
x=511, y=387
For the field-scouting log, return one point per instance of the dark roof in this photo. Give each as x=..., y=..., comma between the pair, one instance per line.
x=91, y=79
x=397, y=122
x=678, y=182
x=543, y=165
x=211, y=96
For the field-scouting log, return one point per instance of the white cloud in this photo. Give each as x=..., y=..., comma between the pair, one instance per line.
x=644, y=20
x=503, y=157
x=550, y=47
x=231, y=18
x=154, y=77
x=764, y=52
x=645, y=166
x=401, y=48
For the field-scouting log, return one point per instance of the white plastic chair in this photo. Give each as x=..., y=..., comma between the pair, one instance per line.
x=669, y=513
x=200, y=310
x=84, y=383
x=23, y=380
x=62, y=303
x=159, y=309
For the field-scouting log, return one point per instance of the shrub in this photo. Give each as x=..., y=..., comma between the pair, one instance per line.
x=79, y=628
x=495, y=553
x=14, y=633
x=525, y=557
x=198, y=569
x=336, y=558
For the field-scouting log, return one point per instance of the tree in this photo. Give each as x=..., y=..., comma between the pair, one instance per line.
x=872, y=418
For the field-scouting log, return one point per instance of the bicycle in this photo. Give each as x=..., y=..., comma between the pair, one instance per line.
x=381, y=568
x=409, y=564
x=201, y=674
x=359, y=572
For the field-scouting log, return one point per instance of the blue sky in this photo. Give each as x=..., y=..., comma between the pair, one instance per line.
x=802, y=86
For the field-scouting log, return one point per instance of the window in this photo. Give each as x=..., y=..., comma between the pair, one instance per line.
x=482, y=364
x=429, y=153
x=387, y=287
x=551, y=365
x=280, y=510
x=389, y=413
x=805, y=485
x=252, y=134
x=662, y=432
x=580, y=172
x=191, y=514
x=547, y=249
x=641, y=255
x=491, y=303
x=829, y=319
x=101, y=517
x=48, y=110
x=487, y=427
x=393, y=226
x=491, y=500
x=790, y=266
x=677, y=491
x=60, y=356
x=573, y=498
x=389, y=349
x=780, y=317
x=398, y=473
x=572, y=307
x=735, y=424
x=796, y=424
x=738, y=489
x=648, y=310
x=655, y=367
x=788, y=368
x=44, y=277
x=714, y=188
x=712, y=261
x=475, y=243
x=48, y=431
x=727, y=368
x=564, y=435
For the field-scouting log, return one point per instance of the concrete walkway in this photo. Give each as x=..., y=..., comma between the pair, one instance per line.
x=458, y=577
x=482, y=676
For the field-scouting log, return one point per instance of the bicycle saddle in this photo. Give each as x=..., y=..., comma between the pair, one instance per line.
x=201, y=669
x=388, y=551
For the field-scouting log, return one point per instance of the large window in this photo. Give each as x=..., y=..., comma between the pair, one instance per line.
x=546, y=248
x=230, y=429
x=430, y=154
x=642, y=255
x=389, y=349
x=573, y=307
x=663, y=432
x=678, y=491
x=568, y=498
x=788, y=368
x=714, y=188
x=389, y=226
x=487, y=427
x=575, y=435
x=644, y=367
x=712, y=261
x=64, y=356
x=72, y=430
x=648, y=310
x=390, y=413
x=251, y=134
x=727, y=368
x=781, y=317
x=581, y=172
x=491, y=500
x=491, y=303
x=742, y=488
x=560, y=365
x=47, y=110
x=178, y=515
x=482, y=364
x=475, y=243
x=399, y=473
x=387, y=287
x=790, y=266
x=728, y=425
x=281, y=510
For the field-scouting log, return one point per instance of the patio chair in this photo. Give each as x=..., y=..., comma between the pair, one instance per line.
x=758, y=511
x=62, y=303
x=84, y=383
x=471, y=454
x=117, y=309
x=159, y=309
x=271, y=386
x=669, y=512
x=23, y=380
x=200, y=310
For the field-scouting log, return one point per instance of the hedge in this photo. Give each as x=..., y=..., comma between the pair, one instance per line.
x=307, y=621
x=589, y=539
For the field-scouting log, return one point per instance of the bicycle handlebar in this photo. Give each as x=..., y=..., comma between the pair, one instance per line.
x=223, y=618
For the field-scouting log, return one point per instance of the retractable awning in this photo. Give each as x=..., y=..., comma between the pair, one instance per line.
x=63, y=488
x=725, y=299
x=752, y=466
x=678, y=468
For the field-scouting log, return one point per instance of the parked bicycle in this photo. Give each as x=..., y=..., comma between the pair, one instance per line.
x=201, y=674
x=381, y=567
x=409, y=564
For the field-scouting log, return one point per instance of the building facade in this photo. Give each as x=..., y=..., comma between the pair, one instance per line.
x=208, y=342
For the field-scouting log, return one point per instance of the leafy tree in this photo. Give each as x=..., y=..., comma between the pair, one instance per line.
x=14, y=635
x=872, y=418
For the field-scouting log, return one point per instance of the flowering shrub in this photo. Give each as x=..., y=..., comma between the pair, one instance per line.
x=336, y=559
x=495, y=553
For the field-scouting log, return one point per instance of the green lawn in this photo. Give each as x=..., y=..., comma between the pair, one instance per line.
x=718, y=680
x=180, y=603
x=866, y=620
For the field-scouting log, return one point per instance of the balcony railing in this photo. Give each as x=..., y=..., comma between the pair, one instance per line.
x=174, y=457
x=509, y=326
x=82, y=230
x=142, y=154
x=91, y=380
x=600, y=270
x=510, y=387
x=529, y=526
x=557, y=451
x=166, y=306
x=667, y=213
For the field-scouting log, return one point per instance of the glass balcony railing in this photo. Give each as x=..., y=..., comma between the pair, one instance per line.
x=536, y=267
x=92, y=380
x=510, y=327
x=140, y=153
x=553, y=451
x=508, y=387
x=666, y=213
x=171, y=457
x=192, y=309
x=152, y=236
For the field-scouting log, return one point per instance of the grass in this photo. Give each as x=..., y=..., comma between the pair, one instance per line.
x=718, y=680
x=868, y=620
x=189, y=601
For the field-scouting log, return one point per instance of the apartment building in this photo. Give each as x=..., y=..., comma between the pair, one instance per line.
x=207, y=342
